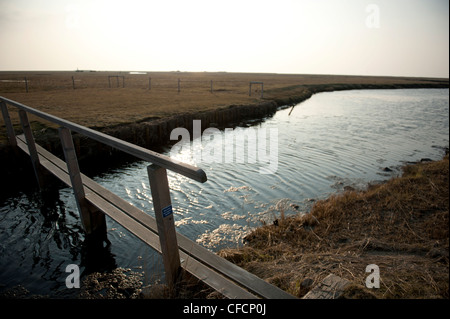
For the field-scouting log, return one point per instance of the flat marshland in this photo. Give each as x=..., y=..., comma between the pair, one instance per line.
x=401, y=225
x=100, y=99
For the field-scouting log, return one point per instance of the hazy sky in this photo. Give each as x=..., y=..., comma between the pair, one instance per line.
x=360, y=37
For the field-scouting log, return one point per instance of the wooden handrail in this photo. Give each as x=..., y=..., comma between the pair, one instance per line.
x=142, y=153
x=95, y=202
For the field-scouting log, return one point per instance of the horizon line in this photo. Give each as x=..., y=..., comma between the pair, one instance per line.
x=236, y=72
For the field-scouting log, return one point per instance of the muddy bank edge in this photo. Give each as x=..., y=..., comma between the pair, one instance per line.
x=153, y=133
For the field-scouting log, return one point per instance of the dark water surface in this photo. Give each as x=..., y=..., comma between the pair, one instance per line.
x=327, y=143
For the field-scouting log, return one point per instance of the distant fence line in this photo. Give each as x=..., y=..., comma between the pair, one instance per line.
x=45, y=83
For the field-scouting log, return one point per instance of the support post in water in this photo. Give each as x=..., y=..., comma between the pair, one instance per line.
x=92, y=222
x=31, y=147
x=166, y=226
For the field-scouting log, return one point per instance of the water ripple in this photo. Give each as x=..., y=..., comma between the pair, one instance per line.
x=328, y=142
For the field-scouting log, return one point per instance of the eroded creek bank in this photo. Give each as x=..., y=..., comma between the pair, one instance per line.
x=154, y=133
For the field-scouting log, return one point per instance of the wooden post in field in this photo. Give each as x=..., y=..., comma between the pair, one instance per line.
x=73, y=83
x=256, y=82
x=117, y=80
x=165, y=222
x=26, y=84
x=149, y=83
x=9, y=128
x=31, y=146
x=211, y=86
x=179, y=85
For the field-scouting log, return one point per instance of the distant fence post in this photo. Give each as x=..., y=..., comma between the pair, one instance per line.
x=211, y=86
x=256, y=82
x=117, y=80
x=73, y=83
x=149, y=83
x=165, y=221
x=179, y=85
x=26, y=84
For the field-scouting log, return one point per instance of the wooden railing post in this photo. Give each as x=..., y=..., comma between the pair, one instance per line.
x=31, y=147
x=9, y=128
x=166, y=226
x=75, y=179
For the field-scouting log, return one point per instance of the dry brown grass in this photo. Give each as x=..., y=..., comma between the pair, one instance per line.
x=402, y=226
x=92, y=103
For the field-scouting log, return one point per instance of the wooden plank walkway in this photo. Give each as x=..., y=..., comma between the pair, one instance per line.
x=332, y=287
x=220, y=274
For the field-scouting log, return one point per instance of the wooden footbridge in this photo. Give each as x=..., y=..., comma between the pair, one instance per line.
x=94, y=202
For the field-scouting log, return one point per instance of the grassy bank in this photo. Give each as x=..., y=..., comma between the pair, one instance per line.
x=401, y=225
x=90, y=101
